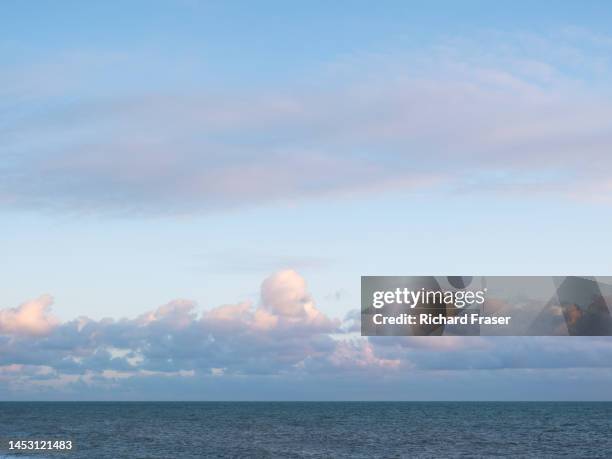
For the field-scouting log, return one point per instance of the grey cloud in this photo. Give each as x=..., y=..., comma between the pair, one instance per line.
x=496, y=353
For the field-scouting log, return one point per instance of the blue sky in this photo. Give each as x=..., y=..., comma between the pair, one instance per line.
x=163, y=151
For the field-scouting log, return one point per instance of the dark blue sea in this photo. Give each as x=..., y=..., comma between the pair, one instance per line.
x=311, y=430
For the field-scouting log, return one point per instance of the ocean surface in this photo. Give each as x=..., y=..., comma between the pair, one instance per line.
x=311, y=430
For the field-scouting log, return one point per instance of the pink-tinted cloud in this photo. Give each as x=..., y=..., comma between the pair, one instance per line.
x=280, y=335
x=361, y=354
x=499, y=121
x=30, y=318
x=284, y=294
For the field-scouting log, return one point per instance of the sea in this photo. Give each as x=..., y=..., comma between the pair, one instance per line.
x=310, y=429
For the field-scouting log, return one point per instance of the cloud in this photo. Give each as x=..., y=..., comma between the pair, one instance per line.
x=282, y=336
x=461, y=116
x=273, y=336
x=360, y=353
x=30, y=318
x=285, y=294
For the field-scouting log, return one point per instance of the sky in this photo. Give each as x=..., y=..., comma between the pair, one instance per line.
x=190, y=192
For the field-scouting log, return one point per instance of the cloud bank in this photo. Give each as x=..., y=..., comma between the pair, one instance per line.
x=527, y=116
x=283, y=339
